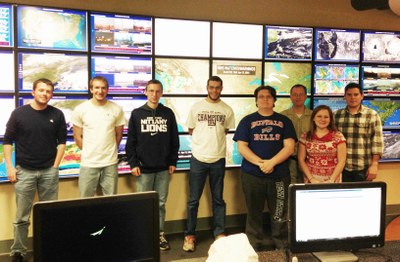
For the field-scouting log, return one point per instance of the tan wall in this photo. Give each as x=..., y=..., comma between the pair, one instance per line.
x=322, y=13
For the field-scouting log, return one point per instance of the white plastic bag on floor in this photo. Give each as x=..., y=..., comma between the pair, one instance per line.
x=231, y=249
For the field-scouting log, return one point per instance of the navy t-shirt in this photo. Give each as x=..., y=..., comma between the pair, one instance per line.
x=265, y=135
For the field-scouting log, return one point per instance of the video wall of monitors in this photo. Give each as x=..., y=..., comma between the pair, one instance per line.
x=71, y=46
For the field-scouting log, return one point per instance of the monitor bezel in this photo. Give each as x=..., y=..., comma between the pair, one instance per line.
x=339, y=244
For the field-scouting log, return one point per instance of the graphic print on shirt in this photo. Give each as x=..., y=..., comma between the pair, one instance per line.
x=211, y=117
x=267, y=131
x=153, y=125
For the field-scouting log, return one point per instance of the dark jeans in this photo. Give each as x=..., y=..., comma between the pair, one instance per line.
x=197, y=179
x=354, y=176
x=257, y=190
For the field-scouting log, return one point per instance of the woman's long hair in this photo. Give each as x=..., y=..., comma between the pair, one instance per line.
x=313, y=126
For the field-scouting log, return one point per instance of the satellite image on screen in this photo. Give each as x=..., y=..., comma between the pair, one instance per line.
x=381, y=47
x=182, y=76
x=381, y=80
x=333, y=103
x=240, y=77
x=391, y=150
x=3, y=170
x=283, y=75
x=181, y=107
x=337, y=45
x=6, y=29
x=51, y=28
x=69, y=73
x=288, y=42
x=388, y=110
x=331, y=79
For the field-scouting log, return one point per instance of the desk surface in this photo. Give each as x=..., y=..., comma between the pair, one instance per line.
x=390, y=252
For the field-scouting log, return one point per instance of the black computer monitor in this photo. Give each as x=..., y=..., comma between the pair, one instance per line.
x=336, y=217
x=109, y=228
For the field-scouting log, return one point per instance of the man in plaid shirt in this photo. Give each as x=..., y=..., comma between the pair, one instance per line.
x=362, y=128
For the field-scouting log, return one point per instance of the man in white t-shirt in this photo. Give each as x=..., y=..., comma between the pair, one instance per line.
x=209, y=120
x=98, y=126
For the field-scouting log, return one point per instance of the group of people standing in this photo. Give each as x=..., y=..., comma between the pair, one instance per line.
x=296, y=145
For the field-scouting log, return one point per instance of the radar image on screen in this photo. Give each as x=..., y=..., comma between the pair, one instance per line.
x=288, y=42
x=69, y=165
x=69, y=73
x=391, y=149
x=182, y=76
x=337, y=45
x=283, y=75
x=3, y=169
x=388, y=110
x=51, y=28
x=240, y=77
x=331, y=79
x=381, y=47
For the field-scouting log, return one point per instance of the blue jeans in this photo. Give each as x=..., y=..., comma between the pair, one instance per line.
x=45, y=182
x=159, y=182
x=91, y=177
x=197, y=179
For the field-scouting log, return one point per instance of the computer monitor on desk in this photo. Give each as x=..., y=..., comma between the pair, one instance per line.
x=117, y=228
x=336, y=217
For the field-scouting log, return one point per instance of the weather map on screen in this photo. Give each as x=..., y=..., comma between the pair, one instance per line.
x=65, y=104
x=68, y=72
x=337, y=45
x=7, y=105
x=283, y=75
x=231, y=40
x=51, y=28
x=69, y=166
x=240, y=77
x=6, y=71
x=182, y=76
x=125, y=75
x=128, y=104
x=388, y=109
x=3, y=169
x=288, y=42
x=181, y=107
x=6, y=25
x=381, y=47
x=121, y=33
x=391, y=149
x=334, y=103
x=331, y=79
x=381, y=80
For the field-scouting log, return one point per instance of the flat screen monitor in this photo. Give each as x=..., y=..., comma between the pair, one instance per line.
x=182, y=76
x=177, y=37
x=337, y=45
x=282, y=42
x=68, y=72
x=128, y=104
x=391, y=149
x=113, y=33
x=231, y=40
x=240, y=77
x=51, y=28
x=7, y=82
x=331, y=79
x=115, y=228
x=70, y=163
x=380, y=80
x=125, y=75
x=283, y=75
x=381, y=47
x=6, y=25
x=334, y=103
x=336, y=216
x=388, y=110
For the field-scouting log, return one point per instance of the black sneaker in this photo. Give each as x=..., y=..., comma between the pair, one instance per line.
x=164, y=245
x=17, y=257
